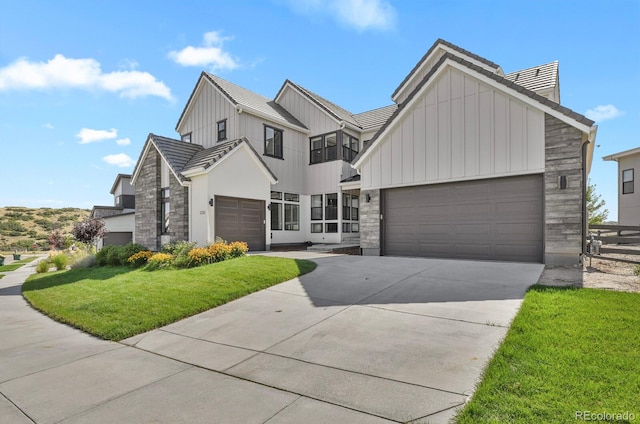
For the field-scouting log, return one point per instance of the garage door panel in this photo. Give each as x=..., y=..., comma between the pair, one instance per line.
x=499, y=219
x=240, y=220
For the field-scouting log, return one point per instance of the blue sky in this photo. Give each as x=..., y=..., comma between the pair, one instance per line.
x=82, y=83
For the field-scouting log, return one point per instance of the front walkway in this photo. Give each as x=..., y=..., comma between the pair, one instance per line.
x=359, y=340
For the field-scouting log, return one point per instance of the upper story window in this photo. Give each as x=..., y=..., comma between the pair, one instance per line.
x=627, y=181
x=186, y=138
x=325, y=147
x=273, y=142
x=350, y=147
x=222, y=130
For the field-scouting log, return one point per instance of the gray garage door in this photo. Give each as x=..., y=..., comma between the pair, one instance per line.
x=496, y=219
x=240, y=220
x=117, y=238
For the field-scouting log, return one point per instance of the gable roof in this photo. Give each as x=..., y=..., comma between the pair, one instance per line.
x=335, y=111
x=376, y=117
x=207, y=158
x=536, y=78
x=118, y=178
x=441, y=42
x=182, y=157
x=542, y=101
x=244, y=99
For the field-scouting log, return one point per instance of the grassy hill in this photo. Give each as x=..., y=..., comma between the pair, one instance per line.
x=21, y=227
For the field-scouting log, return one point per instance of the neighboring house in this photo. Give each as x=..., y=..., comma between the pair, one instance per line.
x=628, y=194
x=468, y=162
x=119, y=219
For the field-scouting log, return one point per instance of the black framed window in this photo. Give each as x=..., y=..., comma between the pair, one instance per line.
x=276, y=195
x=291, y=197
x=330, y=147
x=316, y=208
x=273, y=142
x=627, y=181
x=165, y=211
x=331, y=227
x=355, y=208
x=186, y=137
x=316, y=150
x=316, y=228
x=276, y=216
x=291, y=217
x=222, y=130
x=331, y=208
x=350, y=147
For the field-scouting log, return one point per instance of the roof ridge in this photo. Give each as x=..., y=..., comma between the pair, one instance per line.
x=555, y=62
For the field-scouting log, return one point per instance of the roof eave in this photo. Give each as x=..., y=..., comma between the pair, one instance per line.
x=619, y=155
x=242, y=108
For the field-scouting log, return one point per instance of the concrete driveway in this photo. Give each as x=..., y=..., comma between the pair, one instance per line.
x=359, y=340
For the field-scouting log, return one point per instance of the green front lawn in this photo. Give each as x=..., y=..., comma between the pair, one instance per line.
x=117, y=302
x=15, y=265
x=568, y=352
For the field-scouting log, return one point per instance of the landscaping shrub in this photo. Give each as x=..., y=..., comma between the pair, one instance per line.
x=128, y=250
x=43, y=266
x=199, y=256
x=101, y=256
x=140, y=258
x=60, y=261
x=86, y=261
x=238, y=249
x=159, y=260
x=219, y=251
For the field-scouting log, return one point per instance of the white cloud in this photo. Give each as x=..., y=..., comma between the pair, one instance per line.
x=62, y=72
x=48, y=126
x=87, y=135
x=211, y=53
x=359, y=14
x=123, y=142
x=120, y=160
x=603, y=112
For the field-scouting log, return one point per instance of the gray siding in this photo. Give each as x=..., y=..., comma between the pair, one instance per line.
x=147, y=217
x=314, y=118
x=563, y=208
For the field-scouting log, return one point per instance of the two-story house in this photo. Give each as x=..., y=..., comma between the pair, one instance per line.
x=467, y=162
x=119, y=219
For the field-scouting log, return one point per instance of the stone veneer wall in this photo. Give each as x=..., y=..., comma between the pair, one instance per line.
x=563, y=208
x=370, y=223
x=179, y=210
x=147, y=217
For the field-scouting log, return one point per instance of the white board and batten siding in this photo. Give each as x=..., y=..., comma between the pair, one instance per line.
x=457, y=129
x=291, y=170
x=314, y=118
x=206, y=110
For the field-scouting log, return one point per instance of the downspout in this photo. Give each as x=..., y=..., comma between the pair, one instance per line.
x=585, y=216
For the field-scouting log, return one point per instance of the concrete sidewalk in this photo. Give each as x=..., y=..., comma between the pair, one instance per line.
x=359, y=340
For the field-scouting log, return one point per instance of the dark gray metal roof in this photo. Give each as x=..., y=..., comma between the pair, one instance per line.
x=177, y=153
x=431, y=49
x=536, y=78
x=502, y=80
x=376, y=117
x=339, y=113
x=351, y=179
x=243, y=97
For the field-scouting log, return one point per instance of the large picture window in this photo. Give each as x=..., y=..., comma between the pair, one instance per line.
x=291, y=210
x=627, y=181
x=291, y=217
x=272, y=142
x=276, y=216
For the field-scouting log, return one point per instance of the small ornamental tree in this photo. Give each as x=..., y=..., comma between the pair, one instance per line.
x=56, y=240
x=595, y=206
x=89, y=231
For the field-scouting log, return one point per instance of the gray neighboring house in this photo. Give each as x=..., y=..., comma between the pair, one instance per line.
x=118, y=219
x=467, y=162
x=628, y=196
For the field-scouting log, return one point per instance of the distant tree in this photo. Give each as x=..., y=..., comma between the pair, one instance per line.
x=56, y=240
x=89, y=231
x=595, y=206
